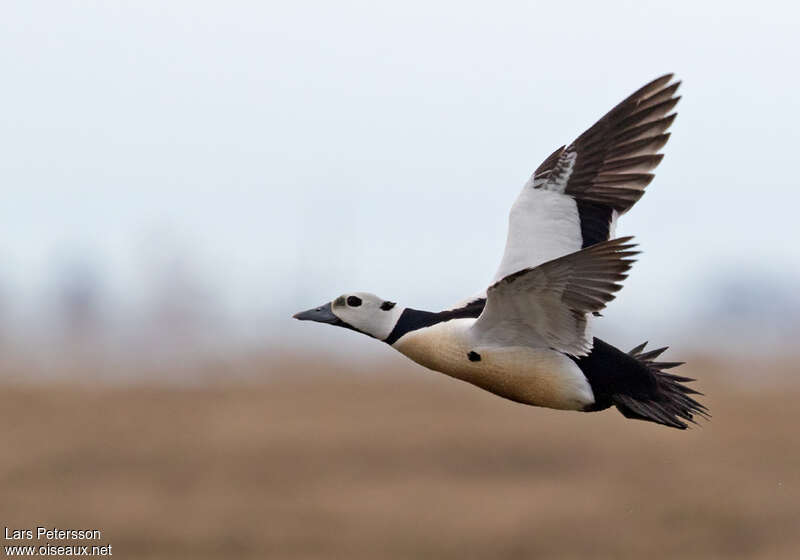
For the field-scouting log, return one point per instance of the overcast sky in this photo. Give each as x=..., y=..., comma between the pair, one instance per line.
x=298, y=150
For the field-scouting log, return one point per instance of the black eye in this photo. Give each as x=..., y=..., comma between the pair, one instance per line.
x=387, y=305
x=353, y=301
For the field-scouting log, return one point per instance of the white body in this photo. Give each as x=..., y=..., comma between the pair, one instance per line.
x=535, y=376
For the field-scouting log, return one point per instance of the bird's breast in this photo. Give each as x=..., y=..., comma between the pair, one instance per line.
x=535, y=376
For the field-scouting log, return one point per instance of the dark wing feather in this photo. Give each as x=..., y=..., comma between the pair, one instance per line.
x=607, y=167
x=550, y=302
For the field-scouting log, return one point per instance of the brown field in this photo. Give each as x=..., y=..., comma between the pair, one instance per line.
x=401, y=464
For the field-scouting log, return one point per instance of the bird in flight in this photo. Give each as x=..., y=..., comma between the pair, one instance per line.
x=528, y=337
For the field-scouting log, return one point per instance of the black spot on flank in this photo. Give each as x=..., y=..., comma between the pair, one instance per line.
x=387, y=305
x=353, y=301
x=414, y=319
x=474, y=356
x=595, y=222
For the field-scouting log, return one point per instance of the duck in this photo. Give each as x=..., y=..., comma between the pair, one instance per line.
x=528, y=337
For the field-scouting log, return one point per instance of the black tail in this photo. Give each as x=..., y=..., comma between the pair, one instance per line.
x=670, y=403
x=638, y=386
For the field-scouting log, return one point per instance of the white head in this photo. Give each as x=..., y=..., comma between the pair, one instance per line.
x=360, y=311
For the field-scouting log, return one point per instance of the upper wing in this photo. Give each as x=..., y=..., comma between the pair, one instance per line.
x=549, y=306
x=574, y=196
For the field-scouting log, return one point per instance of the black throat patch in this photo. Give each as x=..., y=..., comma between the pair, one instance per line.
x=414, y=319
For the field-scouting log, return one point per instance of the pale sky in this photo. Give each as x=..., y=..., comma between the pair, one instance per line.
x=298, y=150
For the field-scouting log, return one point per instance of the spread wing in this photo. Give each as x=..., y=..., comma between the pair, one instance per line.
x=549, y=306
x=574, y=196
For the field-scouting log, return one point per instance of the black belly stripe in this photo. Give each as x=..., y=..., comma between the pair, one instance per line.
x=595, y=222
x=414, y=319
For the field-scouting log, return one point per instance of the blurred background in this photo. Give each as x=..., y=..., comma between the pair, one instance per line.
x=179, y=178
